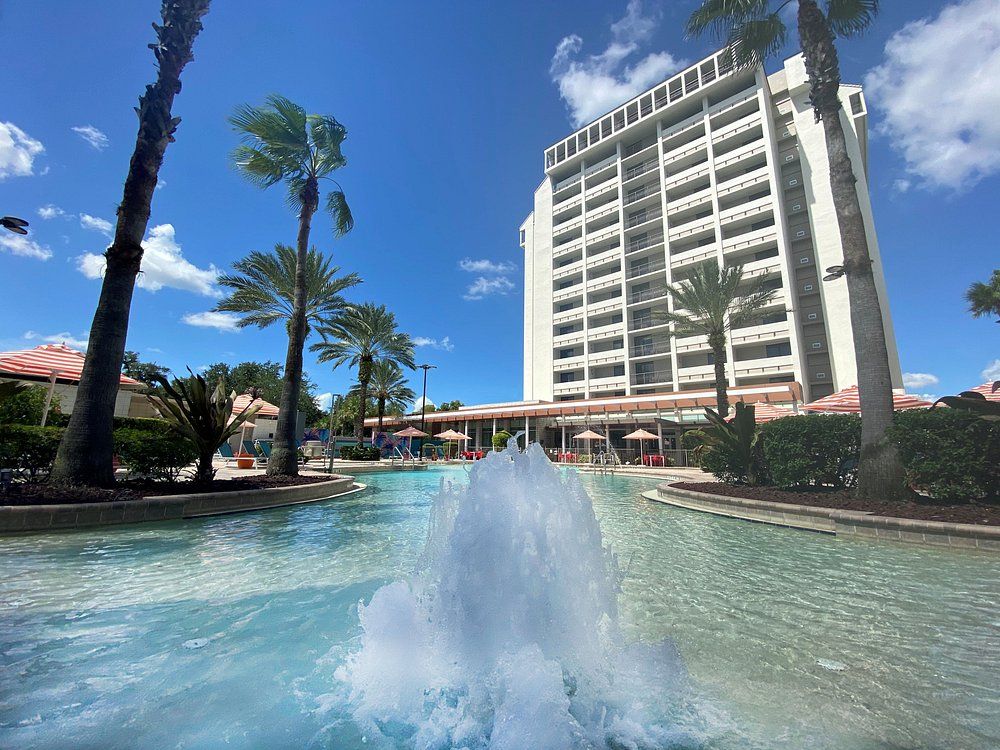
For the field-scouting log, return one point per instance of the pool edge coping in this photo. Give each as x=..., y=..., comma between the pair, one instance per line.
x=831, y=520
x=35, y=518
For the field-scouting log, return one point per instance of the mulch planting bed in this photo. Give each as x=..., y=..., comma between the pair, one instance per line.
x=924, y=510
x=39, y=493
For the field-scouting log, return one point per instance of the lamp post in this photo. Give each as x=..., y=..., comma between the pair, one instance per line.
x=423, y=400
x=334, y=398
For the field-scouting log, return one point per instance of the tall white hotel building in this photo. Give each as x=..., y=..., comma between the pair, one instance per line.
x=713, y=163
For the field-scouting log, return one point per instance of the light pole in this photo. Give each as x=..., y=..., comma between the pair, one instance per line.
x=334, y=398
x=423, y=401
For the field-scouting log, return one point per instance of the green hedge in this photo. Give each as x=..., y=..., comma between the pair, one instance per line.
x=28, y=448
x=950, y=454
x=812, y=449
x=360, y=453
x=26, y=407
x=156, y=452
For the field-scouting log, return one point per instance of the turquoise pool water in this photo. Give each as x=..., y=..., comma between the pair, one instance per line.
x=227, y=632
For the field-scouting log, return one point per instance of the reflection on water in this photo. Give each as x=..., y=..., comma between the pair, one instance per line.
x=794, y=640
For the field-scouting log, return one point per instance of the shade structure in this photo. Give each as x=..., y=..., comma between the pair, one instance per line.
x=987, y=390
x=48, y=359
x=848, y=401
x=266, y=409
x=641, y=435
x=765, y=412
x=588, y=435
x=452, y=435
x=410, y=432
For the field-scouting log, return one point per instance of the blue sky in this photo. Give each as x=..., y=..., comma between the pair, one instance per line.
x=448, y=107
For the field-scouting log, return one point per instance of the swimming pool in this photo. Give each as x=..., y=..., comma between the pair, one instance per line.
x=228, y=631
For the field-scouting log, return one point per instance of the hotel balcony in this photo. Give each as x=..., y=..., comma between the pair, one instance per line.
x=565, y=389
x=568, y=363
x=568, y=339
x=566, y=271
x=746, y=213
x=609, y=357
x=685, y=176
x=694, y=256
x=604, y=233
x=643, y=217
x=606, y=331
x=638, y=244
x=605, y=281
x=745, y=181
x=695, y=373
x=739, y=126
x=656, y=377
x=563, y=295
x=653, y=348
x=755, y=240
x=692, y=230
x=764, y=366
x=638, y=270
x=614, y=383
x=638, y=170
x=568, y=316
x=567, y=248
x=646, y=295
x=605, y=306
x=763, y=333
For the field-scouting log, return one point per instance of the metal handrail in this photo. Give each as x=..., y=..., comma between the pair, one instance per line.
x=645, y=268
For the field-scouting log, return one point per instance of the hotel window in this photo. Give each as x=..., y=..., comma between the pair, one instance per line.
x=567, y=377
x=618, y=371
x=522, y=236
x=605, y=127
x=783, y=349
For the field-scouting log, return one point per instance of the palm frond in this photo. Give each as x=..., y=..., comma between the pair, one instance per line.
x=754, y=40
x=336, y=206
x=719, y=17
x=327, y=136
x=848, y=18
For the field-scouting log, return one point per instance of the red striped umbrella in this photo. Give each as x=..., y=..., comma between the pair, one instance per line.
x=47, y=360
x=848, y=401
x=765, y=412
x=987, y=390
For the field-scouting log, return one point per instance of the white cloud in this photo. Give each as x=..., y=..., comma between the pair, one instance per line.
x=324, y=401
x=74, y=342
x=163, y=265
x=938, y=91
x=220, y=321
x=160, y=183
x=917, y=380
x=592, y=85
x=17, y=151
x=992, y=371
x=484, y=287
x=482, y=265
x=443, y=344
x=901, y=185
x=932, y=397
x=17, y=244
x=96, y=224
x=93, y=136
x=50, y=211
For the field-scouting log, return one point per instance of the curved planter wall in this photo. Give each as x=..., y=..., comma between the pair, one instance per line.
x=829, y=521
x=166, y=507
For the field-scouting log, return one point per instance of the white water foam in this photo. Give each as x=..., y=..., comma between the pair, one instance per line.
x=508, y=635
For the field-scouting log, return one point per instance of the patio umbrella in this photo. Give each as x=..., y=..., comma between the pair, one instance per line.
x=588, y=435
x=987, y=390
x=641, y=436
x=765, y=412
x=410, y=432
x=452, y=435
x=848, y=401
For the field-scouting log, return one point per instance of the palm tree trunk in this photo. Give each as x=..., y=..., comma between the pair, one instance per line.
x=717, y=342
x=284, y=458
x=880, y=471
x=85, y=453
x=359, y=420
x=381, y=411
x=204, y=473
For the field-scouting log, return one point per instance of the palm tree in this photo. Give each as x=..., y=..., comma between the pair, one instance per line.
x=389, y=389
x=85, y=453
x=714, y=302
x=361, y=336
x=984, y=299
x=754, y=30
x=281, y=143
x=264, y=288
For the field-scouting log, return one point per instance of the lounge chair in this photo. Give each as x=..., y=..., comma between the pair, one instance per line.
x=252, y=449
x=225, y=452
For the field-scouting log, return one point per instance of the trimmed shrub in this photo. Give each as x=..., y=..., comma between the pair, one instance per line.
x=26, y=407
x=500, y=440
x=951, y=455
x=28, y=448
x=812, y=449
x=360, y=453
x=157, y=453
x=141, y=423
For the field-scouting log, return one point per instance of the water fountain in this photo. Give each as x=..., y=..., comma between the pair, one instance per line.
x=507, y=635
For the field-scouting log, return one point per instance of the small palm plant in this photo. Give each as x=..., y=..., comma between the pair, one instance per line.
x=361, y=336
x=753, y=30
x=202, y=415
x=711, y=303
x=389, y=389
x=732, y=448
x=281, y=143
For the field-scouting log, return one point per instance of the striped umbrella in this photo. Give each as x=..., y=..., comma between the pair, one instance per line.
x=44, y=360
x=848, y=401
x=242, y=401
x=987, y=390
x=765, y=412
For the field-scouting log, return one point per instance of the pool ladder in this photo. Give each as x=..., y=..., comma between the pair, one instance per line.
x=607, y=462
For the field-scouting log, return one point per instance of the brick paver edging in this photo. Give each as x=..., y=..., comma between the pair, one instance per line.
x=831, y=521
x=16, y=518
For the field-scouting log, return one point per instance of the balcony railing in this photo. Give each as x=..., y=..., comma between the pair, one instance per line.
x=654, y=347
x=641, y=243
x=644, y=268
x=647, y=322
x=638, y=195
x=647, y=215
x=640, y=169
x=647, y=378
x=647, y=294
